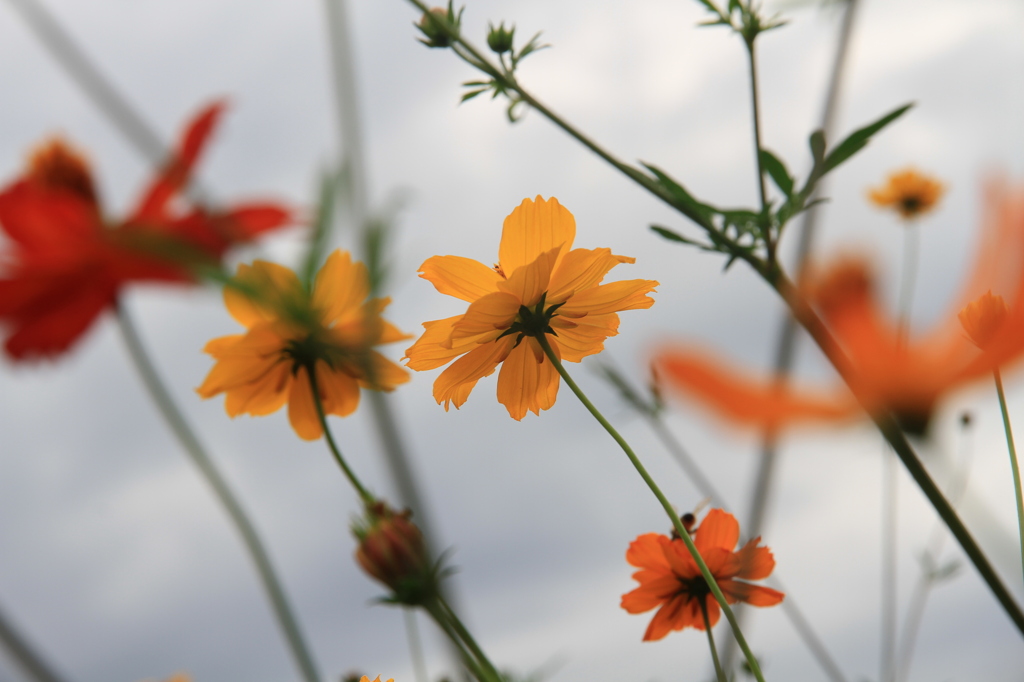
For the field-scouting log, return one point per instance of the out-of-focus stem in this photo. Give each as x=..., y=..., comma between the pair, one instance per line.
x=1014, y=466
x=364, y=495
x=25, y=657
x=719, y=673
x=246, y=530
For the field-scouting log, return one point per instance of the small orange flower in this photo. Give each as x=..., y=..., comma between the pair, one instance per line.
x=983, y=318
x=292, y=331
x=886, y=371
x=540, y=286
x=909, y=193
x=670, y=579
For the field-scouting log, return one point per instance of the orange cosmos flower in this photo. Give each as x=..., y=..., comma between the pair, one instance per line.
x=67, y=263
x=291, y=332
x=909, y=193
x=541, y=285
x=886, y=371
x=670, y=579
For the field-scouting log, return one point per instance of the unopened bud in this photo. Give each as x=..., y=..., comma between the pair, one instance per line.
x=500, y=39
x=432, y=26
x=392, y=550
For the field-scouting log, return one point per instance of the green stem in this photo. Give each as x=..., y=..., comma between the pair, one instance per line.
x=1013, y=462
x=711, y=639
x=769, y=239
x=466, y=637
x=349, y=474
x=442, y=617
x=676, y=523
x=892, y=432
x=250, y=538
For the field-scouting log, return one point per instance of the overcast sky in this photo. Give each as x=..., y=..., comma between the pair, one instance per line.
x=117, y=562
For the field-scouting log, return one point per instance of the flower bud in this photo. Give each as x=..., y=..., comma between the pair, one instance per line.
x=431, y=26
x=983, y=318
x=499, y=39
x=392, y=550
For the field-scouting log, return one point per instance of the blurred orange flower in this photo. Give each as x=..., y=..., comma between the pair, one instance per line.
x=67, y=263
x=292, y=331
x=670, y=579
x=909, y=193
x=540, y=286
x=886, y=371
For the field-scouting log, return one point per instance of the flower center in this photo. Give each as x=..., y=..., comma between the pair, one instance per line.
x=534, y=321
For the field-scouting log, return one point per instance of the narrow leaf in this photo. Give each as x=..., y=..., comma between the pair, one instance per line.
x=777, y=170
x=859, y=138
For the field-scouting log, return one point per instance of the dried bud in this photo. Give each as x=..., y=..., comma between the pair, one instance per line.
x=432, y=25
x=982, y=318
x=499, y=39
x=392, y=550
x=55, y=165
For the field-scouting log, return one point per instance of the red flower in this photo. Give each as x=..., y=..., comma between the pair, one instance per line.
x=669, y=577
x=66, y=263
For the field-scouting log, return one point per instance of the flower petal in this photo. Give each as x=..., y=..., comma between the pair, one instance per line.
x=582, y=269
x=302, y=412
x=341, y=287
x=610, y=298
x=383, y=374
x=649, y=594
x=755, y=595
x=718, y=530
x=586, y=335
x=750, y=563
x=535, y=226
x=530, y=281
x=262, y=396
x=526, y=384
x=478, y=363
x=646, y=551
x=460, y=277
x=672, y=616
x=490, y=314
x=263, y=291
x=339, y=391
x=433, y=349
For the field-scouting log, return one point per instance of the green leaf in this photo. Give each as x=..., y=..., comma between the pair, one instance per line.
x=676, y=237
x=817, y=143
x=777, y=170
x=859, y=138
x=680, y=195
x=471, y=95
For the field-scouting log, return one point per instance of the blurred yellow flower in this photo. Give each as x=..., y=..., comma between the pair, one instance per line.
x=330, y=331
x=541, y=286
x=909, y=193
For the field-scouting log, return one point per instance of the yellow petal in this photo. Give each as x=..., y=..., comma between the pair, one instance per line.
x=460, y=277
x=586, y=336
x=530, y=281
x=535, y=226
x=339, y=391
x=524, y=384
x=582, y=269
x=467, y=370
x=301, y=409
x=492, y=313
x=433, y=349
x=610, y=298
x=384, y=375
x=263, y=396
x=262, y=288
x=341, y=286
x=221, y=345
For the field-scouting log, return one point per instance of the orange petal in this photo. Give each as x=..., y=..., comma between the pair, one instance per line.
x=582, y=269
x=526, y=384
x=262, y=396
x=610, y=298
x=739, y=399
x=492, y=313
x=680, y=560
x=384, y=375
x=221, y=345
x=434, y=349
x=535, y=226
x=339, y=391
x=340, y=288
x=263, y=290
x=302, y=412
x=478, y=363
x=751, y=562
x=672, y=616
x=646, y=551
x=650, y=594
x=755, y=595
x=719, y=529
x=528, y=282
x=586, y=336
x=460, y=277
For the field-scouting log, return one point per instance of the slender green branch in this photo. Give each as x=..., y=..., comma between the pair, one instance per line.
x=769, y=238
x=467, y=637
x=250, y=537
x=482, y=670
x=1014, y=466
x=665, y=504
x=25, y=657
x=719, y=673
x=349, y=474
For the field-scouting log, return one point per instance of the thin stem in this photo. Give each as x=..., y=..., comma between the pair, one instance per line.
x=1013, y=461
x=665, y=504
x=756, y=115
x=911, y=256
x=467, y=638
x=890, y=565
x=24, y=656
x=349, y=474
x=250, y=537
x=719, y=673
x=440, y=617
x=892, y=432
x=419, y=665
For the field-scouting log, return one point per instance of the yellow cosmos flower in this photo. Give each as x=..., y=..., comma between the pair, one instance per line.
x=540, y=286
x=909, y=193
x=330, y=331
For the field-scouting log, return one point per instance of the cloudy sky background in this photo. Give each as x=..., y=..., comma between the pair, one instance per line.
x=116, y=560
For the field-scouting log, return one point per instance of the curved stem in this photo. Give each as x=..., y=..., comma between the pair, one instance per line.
x=441, y=618
x=665, y=504
x=366, y=497
x=1013, y=461
x=467, y=638
x=250, y=538
x=719, y=673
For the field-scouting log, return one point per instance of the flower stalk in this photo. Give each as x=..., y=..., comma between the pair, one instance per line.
x=364, y=495
x=719, y=673
x=1014, y=466
x=666, y=505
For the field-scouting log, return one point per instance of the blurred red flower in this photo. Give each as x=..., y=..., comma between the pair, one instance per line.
x=66, y=263
x=670, y=579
